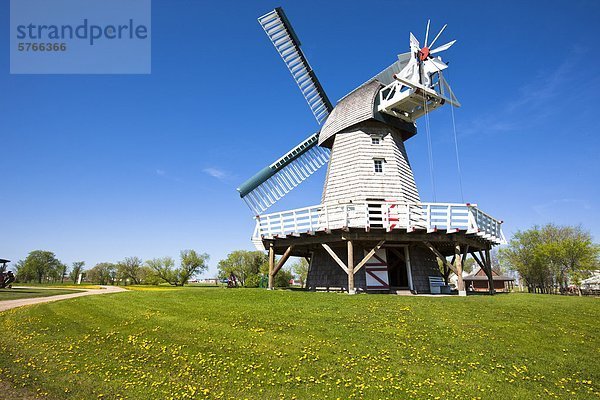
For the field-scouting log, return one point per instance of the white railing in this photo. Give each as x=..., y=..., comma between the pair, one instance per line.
x=411, y=217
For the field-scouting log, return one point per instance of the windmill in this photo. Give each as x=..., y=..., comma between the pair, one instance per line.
x=370, y=211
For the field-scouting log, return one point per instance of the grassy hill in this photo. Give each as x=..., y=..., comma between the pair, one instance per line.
x=245, y=343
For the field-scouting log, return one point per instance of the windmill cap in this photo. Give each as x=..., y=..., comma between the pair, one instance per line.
x=357, y=107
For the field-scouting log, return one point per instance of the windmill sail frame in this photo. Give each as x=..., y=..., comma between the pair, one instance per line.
x=273, y=182
x=286, y=42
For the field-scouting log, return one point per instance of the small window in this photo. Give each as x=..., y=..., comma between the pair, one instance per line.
x=375, y=139
x=378, y=165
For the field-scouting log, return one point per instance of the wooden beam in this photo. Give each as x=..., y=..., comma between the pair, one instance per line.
x=483, y=260
x=484, y=265
x=283, y=259
x=271, y=264
x=408, y=268
x=490, y=275
x=368, y=256
x=478, y=261
x=376, y=235
x=465, y=253
x=350, y=267
x=335, y=257
x=440, y=256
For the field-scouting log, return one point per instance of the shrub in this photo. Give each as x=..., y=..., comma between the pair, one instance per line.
x=282, y=279
x=252, y=281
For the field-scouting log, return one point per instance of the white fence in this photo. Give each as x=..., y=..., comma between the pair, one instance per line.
x=429, y=217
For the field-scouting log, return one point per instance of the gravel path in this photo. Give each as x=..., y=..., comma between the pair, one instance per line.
x=8, y=304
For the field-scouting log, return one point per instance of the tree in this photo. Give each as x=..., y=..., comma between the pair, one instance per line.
x=243, y=264
x=21, y=272
x=148, y=276
x=300, y=268
x=163, y=268
x=469, y=265
x=40, y=264
x=551, y=256
x=102, y=273
x=63, y=271
x=191, y=263
x=496, y=263
x=76, y=270
x=130, y=268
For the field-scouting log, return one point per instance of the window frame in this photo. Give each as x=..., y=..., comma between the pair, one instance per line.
x=378, y=164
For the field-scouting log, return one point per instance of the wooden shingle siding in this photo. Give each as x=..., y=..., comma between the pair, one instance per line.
x=351, y=176
x=352, y=110
x=423, y=265
x=324, y=273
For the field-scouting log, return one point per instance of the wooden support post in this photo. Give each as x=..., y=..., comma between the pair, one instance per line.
x=351, y=268
x=459, y=270
x=283, y=259
x=271, y=264
x=335, y=257
x=408, y=268
x=479, y=262
x=465, y=254
x=488, y=262
x=447, y=271
x=483, y=264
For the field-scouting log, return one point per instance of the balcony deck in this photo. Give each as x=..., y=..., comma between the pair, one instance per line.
x=385, y=216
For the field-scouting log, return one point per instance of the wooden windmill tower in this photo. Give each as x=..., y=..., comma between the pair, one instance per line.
x=371, y=231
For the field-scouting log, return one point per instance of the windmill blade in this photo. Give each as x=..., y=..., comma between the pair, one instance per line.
x=427, y=33
x=439, y=65
x=438, y=35
x=275, y=181
x=282, y=35
x=414, y=43
x=442, y=47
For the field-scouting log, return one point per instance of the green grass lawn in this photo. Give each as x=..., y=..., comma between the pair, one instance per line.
x=252, y=343
x=22, y=293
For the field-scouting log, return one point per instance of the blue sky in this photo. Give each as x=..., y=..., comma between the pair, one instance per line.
x=102, y=167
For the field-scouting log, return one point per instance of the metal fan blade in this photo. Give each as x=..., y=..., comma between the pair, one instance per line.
x=282, y=35
x=414, y=43
x=275, y=181
x=442, y=47
x=427, y=33
x=438, y=35
x=439, y=64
